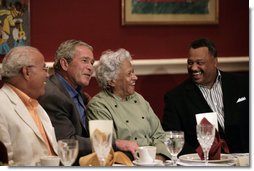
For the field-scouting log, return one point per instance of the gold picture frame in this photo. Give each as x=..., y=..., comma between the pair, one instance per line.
x=207, y=13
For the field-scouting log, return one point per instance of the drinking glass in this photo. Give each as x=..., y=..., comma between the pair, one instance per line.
x=101, y=132
x=205, y=136
x=68, y=151
x=174, y=141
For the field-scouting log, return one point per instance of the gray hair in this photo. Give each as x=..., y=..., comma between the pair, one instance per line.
x=109, y=66
x=66, y=50
x=15, y=60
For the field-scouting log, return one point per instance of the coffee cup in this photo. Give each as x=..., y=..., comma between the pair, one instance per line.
x=49, y=161
x=146, y=154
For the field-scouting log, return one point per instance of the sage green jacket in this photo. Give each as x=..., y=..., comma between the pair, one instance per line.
x=133, y=119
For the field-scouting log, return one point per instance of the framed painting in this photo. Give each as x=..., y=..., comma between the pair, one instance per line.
x=166, y=12
x=14, y=24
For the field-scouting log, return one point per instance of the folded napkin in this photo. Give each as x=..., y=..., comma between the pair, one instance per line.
x=218, y=144
x=113, y=158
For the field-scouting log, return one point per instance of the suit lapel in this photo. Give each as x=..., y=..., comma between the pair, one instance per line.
x=228, y=98
x=195, y=96
x=21, y=110
x=58, y=84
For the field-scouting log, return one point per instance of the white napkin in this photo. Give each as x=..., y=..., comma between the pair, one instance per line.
x=105, y=126
x=210, y=116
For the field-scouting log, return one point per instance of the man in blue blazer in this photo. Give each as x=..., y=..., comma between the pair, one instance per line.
x=209, y=90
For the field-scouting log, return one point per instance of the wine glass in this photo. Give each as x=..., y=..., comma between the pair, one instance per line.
x=101, y=133
x=205, y=136
x=102, y=143
x=68, y=151
x=174, y=141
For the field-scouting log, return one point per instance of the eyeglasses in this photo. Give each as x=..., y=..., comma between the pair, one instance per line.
x=45, y=68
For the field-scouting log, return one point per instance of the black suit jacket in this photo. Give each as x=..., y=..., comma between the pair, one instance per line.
x=64, y=115
x=186, y=100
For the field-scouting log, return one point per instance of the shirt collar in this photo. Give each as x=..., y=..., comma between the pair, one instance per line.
x=72, y=92
x=118, y=98
x=28, y=101
x=219, y=76
x=217, y=81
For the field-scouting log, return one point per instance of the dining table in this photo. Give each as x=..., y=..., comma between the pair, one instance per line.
x=193, y=160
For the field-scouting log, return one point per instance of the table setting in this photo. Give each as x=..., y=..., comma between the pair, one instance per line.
x=193, y=160
x=208, y=153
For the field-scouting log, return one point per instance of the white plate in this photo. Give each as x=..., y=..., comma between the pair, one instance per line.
x=180, y=163
x=195, y=158
x=116, y=164
x=155, y=163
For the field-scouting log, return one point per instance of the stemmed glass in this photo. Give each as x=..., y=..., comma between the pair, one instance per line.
x=174, y=141
x=205, y=136
x=101, y=132
x=102, y=143
x=68, y=151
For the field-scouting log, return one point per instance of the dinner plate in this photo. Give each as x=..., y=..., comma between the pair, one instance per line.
x=155, y=163
x=181, y=163
x=195, y=158
x=117, y=165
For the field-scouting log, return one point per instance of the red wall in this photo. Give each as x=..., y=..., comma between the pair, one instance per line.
x=98, y=22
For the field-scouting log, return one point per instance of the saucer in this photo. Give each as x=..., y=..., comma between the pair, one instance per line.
x=155, y=163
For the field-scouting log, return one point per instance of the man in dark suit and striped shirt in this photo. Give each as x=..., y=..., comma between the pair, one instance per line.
x=209, y=90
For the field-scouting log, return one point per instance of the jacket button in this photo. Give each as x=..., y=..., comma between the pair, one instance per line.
x=115, y=105
x=135, y=101
x=143, y=117
x=127, y=121
x=135, y=138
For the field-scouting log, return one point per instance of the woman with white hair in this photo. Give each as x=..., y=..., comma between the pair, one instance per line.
x=133, y=117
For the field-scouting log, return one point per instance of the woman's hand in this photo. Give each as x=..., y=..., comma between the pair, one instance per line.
x=127, y=145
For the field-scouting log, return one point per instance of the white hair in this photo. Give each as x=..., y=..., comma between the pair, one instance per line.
x=15, y=59
x=109, y=66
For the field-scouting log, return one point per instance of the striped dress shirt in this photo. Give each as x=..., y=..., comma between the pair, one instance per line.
x=214, y=98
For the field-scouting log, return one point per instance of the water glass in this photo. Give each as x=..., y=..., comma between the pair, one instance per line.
x=68, y=151
x=174, y=141
x=205, y=136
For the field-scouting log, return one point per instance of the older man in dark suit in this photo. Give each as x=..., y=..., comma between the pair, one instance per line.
x=209, y=90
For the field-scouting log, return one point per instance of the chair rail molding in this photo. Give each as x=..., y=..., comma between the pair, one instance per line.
x=178, y=65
